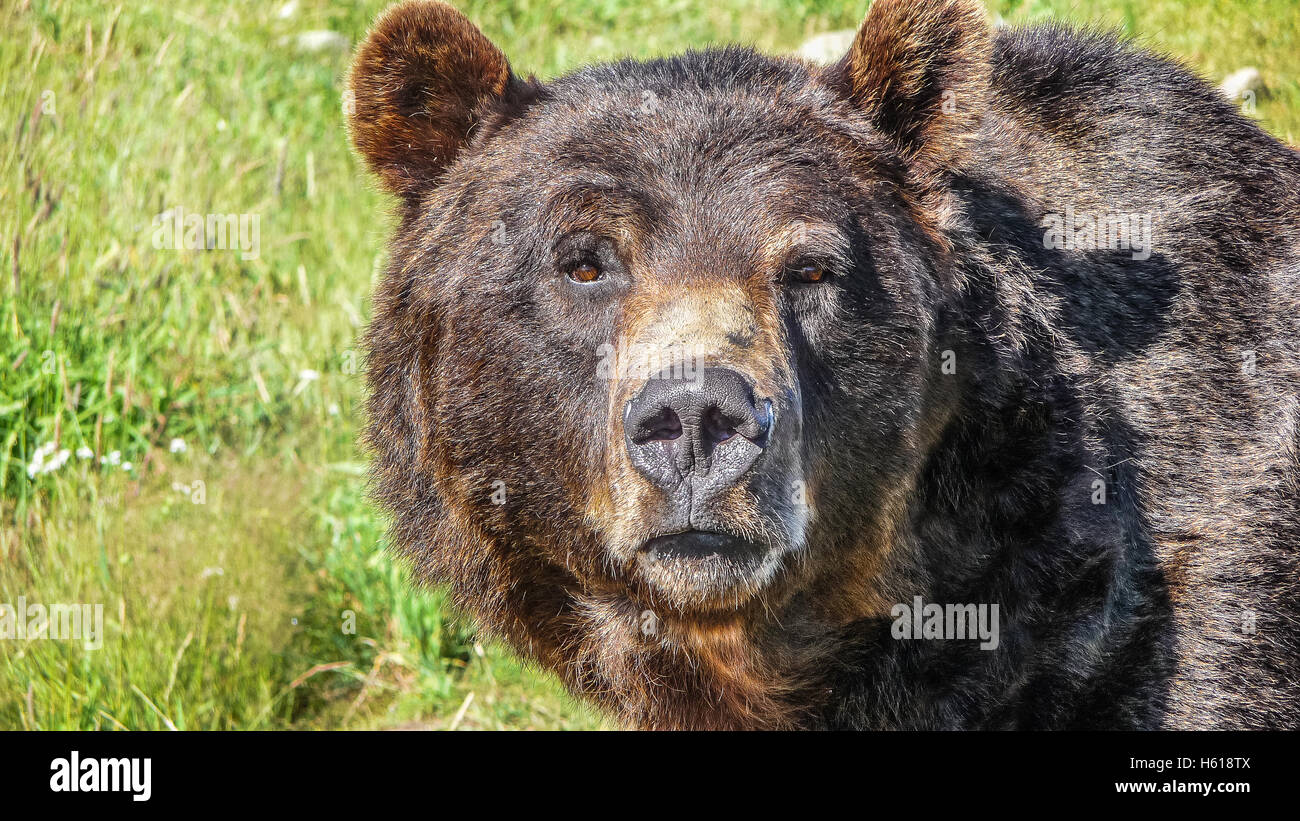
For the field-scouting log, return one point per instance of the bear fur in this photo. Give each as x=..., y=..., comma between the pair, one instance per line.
x=1024, y=305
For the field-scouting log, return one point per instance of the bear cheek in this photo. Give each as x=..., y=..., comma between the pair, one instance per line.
x=505, y=416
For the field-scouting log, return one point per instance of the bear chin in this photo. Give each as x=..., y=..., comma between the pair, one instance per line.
x=707, y=570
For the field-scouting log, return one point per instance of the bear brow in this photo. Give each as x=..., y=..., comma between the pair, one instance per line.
x=821, y=239
x=592, y=204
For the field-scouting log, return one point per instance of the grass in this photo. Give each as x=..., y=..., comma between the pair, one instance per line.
x=243, y=579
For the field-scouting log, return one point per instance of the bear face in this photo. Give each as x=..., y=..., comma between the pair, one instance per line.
x=632, y=250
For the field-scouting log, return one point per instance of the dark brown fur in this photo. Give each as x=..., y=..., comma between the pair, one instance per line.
x=918, y=169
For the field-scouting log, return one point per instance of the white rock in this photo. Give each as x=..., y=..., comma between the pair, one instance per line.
x=827, y=48
x=323, y=40
x=1239, y=82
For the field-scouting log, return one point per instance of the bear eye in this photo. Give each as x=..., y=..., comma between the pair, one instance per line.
x=806, y=271
x=585, y=272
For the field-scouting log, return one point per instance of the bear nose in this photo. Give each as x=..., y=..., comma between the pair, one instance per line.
x=708, y=430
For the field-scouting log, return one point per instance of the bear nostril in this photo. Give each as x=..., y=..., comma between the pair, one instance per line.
x=663, y=427
x=718, y=427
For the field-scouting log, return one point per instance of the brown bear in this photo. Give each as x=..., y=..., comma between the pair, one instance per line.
x=952, y=385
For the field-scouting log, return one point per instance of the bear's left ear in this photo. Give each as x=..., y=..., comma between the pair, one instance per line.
x=920, y=70
x=419, y=83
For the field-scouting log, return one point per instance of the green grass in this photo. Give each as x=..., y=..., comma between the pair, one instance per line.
x=234, y=612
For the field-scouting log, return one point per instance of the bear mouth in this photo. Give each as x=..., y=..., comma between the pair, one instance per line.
x=703, y=546
x=704, y=569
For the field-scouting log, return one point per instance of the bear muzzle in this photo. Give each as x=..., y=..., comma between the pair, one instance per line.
x=700, y=442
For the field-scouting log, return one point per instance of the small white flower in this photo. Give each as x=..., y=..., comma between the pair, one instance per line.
x=334, y=409
x=306, y=376
x=209, y=572
x=84, y=452
x=113, y=458
x=178, y=446
x=127, y=466
x=46, y=460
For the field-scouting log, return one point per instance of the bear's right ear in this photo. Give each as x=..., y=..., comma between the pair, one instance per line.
x=919, y=69
x=419, y=83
